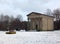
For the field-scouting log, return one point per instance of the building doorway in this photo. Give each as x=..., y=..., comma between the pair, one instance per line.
x=36, y=27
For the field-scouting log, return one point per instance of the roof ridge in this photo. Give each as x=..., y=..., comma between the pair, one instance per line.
x=39, y=14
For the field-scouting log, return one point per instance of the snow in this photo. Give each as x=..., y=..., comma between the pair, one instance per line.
x=43, y=37
x=22, y=30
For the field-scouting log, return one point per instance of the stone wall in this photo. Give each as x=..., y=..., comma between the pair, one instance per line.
x=43, y=22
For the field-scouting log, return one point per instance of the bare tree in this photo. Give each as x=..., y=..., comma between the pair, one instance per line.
x=56, y=14
x=4, y=22
x=19, y=17
x=1, y=17
x=49, y=12
x=16, y=23
x=11, y=18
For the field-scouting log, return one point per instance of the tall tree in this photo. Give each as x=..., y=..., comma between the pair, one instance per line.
x=16, y=23
x=49, y=12
x=19, y=17
x=56, y=14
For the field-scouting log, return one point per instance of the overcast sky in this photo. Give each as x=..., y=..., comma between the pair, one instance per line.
x=23, y=7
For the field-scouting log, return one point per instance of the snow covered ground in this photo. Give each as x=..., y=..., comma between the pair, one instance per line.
x=43, y=37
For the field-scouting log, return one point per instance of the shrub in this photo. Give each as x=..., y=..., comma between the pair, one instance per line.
x=38, y=30
x=10, y=32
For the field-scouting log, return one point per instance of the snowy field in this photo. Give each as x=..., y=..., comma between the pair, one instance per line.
x=43, y=37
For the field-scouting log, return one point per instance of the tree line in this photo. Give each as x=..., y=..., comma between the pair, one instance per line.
x=12, y=23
